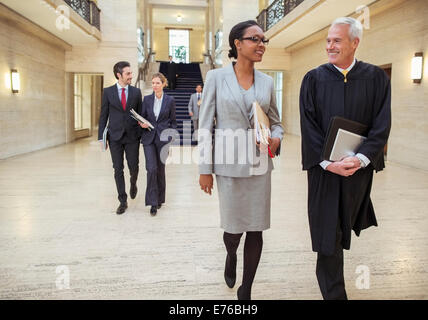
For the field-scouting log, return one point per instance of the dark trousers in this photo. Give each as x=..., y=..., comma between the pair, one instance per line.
x=131, y=149
x=172, y=82
x=155, y=166
x=330, y=271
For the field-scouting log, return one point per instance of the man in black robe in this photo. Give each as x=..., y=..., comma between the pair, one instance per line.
x=339, y=192
x=172, y=74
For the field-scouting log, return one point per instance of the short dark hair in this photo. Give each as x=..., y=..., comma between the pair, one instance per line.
x=237, y=32
x=199, y=85
x=118, y=67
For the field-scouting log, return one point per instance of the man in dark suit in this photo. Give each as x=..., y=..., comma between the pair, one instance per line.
x=123, y=131
x=172, y=73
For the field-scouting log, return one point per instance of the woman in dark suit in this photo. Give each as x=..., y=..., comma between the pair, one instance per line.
x=159, y=109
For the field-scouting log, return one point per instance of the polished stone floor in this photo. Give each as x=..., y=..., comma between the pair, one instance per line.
x=61, y=239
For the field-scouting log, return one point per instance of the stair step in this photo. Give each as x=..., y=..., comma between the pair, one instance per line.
x=189, y=77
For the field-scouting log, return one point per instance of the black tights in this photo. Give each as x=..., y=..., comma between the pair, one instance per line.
x=252, y=252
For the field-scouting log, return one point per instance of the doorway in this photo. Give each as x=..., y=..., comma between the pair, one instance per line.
x=87, y=103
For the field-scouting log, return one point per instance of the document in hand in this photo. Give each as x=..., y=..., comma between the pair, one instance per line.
x=139, y=118
x=261, y=126
x=105, y=137
x=344, y=137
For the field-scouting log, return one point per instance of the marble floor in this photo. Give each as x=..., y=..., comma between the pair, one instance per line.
x=61, y=239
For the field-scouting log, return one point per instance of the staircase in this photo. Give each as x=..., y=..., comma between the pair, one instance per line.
x=189, y=76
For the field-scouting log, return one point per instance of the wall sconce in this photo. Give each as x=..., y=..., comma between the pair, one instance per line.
x=179, y=18
x=417, y=63
x=16, y=83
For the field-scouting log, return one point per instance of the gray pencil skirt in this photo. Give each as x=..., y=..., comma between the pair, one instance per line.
x=244, y=203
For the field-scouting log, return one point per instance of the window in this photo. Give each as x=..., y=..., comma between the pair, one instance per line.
x=277, y=82
x=179, y=45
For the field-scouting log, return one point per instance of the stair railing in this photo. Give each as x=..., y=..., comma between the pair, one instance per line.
x=142, y=71
x=210, y=58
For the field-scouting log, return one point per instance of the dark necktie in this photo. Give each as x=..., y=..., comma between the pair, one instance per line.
x=123, y=99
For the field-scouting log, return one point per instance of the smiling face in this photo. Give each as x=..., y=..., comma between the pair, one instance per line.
x=126, y=77
x=340, y=48
x=249, y=49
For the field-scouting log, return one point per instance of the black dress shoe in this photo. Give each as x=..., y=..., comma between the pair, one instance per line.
x=122, y=207
x=159, y=206
x=243, y=294
x=230, y=271
x=153, y=210
x=133, y=191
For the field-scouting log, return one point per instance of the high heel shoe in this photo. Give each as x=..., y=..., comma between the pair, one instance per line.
x=230, y=271
x=242, y=294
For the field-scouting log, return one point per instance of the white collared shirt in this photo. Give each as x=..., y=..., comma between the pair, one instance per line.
x=324, y=164
x=119, y=88
x=349, y=68
x=157, y=105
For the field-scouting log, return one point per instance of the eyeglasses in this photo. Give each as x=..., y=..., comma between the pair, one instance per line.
x=257, y=40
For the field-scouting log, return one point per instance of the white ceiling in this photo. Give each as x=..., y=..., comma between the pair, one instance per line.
x=168, y=16
x=44, y=15
x=309, y=17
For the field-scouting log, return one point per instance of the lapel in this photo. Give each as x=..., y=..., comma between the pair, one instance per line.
x=163, y=106
x=259, y=87
x=130, y=96
x=232, y=83
x=150, y=104
x=115, y=97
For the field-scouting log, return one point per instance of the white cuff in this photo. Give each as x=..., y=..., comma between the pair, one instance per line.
x=325, y=164
x=364, y=159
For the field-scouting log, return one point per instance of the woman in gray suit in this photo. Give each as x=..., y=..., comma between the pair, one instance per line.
x=244, y=188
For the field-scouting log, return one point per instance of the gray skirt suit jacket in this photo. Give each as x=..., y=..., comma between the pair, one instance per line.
x=227, y=147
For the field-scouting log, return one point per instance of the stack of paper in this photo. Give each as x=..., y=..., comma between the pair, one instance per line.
x=105, y=137
x=139, y=118
x=261, y=124
x=261, y=127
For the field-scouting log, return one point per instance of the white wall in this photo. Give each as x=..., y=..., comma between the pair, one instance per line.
x=35, y=118
x=119, y=42
x=395, y=34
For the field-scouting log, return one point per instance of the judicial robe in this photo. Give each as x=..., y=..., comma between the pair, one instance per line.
x=334, y=200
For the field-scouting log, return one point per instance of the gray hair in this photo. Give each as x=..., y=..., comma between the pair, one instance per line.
x=355, y=27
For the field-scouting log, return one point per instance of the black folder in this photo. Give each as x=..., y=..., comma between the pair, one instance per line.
x=337, y=123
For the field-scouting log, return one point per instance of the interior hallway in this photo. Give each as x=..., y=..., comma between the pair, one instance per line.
x=57, y=207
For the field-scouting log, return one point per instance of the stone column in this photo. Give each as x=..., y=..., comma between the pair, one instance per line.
x=233, y=13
